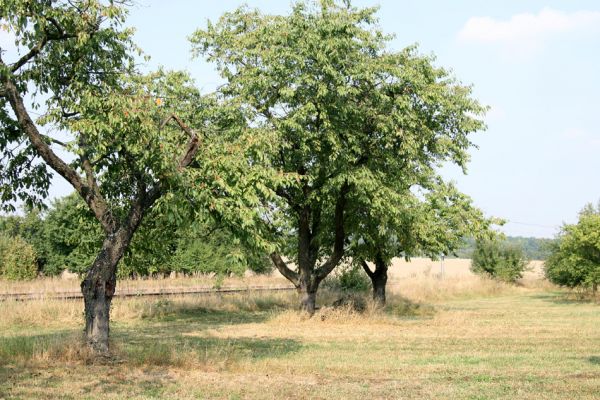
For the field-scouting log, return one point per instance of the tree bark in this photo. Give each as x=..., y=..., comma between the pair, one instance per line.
x=378, y=278
x=379, y=282
x=308, y=298
x=98, y=289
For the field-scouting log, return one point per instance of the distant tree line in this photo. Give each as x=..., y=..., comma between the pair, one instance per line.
x=533, y=248
x=65, y=237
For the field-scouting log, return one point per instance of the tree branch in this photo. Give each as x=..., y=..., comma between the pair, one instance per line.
x=340, y=236
x=93, y=198
x=55, y=141
x=365, y=266
x=282, y=267
x=192, y=146
x=37, y=49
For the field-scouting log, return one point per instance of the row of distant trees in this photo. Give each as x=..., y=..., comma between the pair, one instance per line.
x=65, y=237
x=533, y=248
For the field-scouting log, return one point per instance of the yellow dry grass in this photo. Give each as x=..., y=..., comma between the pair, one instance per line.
x=456, y=337
x=399, y=270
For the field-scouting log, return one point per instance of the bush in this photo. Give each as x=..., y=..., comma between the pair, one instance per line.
x=575, y=257
x=18, y=260
x=498, y=260
x=350, y=279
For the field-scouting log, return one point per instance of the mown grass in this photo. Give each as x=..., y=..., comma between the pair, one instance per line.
x=494, y=342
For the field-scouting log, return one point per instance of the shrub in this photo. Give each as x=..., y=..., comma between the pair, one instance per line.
x=575, y=257
x=351, y=278
x=498, y=260
x=18, y=260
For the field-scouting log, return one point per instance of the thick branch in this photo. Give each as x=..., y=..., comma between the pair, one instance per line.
x=340, y=236
x=37, y=49
x=282, y=267
x=367, y=269
x=192, y=146
x=92, y=197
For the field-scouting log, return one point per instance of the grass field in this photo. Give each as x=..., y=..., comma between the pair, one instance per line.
x=460, y=337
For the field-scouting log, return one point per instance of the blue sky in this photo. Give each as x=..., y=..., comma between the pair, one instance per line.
x=534, y=63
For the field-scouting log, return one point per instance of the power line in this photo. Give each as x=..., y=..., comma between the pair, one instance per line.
x=532, y=224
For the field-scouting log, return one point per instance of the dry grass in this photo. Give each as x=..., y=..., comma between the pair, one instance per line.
x=461, y=337
x=455, y=270
x=52, y=285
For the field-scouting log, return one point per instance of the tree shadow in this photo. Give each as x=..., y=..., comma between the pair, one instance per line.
x=140, y=366
x=565, y=298
x=192, y=333
x=25, y=347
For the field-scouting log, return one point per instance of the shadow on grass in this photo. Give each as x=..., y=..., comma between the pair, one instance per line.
x=401, y=307
x=565, y=297
x=27, y=347
x=594, y=360
x=211, y=352
x=136, y=347
x=39, y=382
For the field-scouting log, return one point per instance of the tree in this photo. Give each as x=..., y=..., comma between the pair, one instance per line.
x=575, y=256
x=127, y=139
x=18, y=260
x=349, y=115
x=433, y=225
x=498, y=260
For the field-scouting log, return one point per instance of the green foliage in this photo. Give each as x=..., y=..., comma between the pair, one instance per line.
x=498, y=260
x=344, y=113
x=64, y=237
x=18, y=260
x=70, y=54
x=575, y=257
x=215, y=252
x=68, y=238
x=350, y=278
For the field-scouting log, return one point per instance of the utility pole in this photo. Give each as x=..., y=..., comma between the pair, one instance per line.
x=442, y=272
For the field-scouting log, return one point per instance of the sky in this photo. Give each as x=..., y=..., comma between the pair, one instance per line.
x=535, y=63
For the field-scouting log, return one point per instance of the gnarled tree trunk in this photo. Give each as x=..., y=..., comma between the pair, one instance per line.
x=378, y=278
x=308, y=276
x=98, y=289
x=308, y=297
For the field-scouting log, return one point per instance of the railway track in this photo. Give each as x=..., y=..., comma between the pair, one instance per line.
x=72, y=295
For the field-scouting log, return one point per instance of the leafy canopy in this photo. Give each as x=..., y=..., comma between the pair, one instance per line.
x=344, y=110
x=575, y=256
x=499, y=260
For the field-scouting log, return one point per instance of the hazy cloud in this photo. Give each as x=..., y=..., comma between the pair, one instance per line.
x=528, y=31
x=582, y=138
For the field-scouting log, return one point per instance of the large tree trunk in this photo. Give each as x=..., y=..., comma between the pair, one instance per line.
x=378, y=278
x=308, y=294
x=98, y=289
x=308, y=276
x=379, y=281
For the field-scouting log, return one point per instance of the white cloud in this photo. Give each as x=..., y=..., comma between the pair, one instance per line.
x=582, y=138
x=528, y=31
